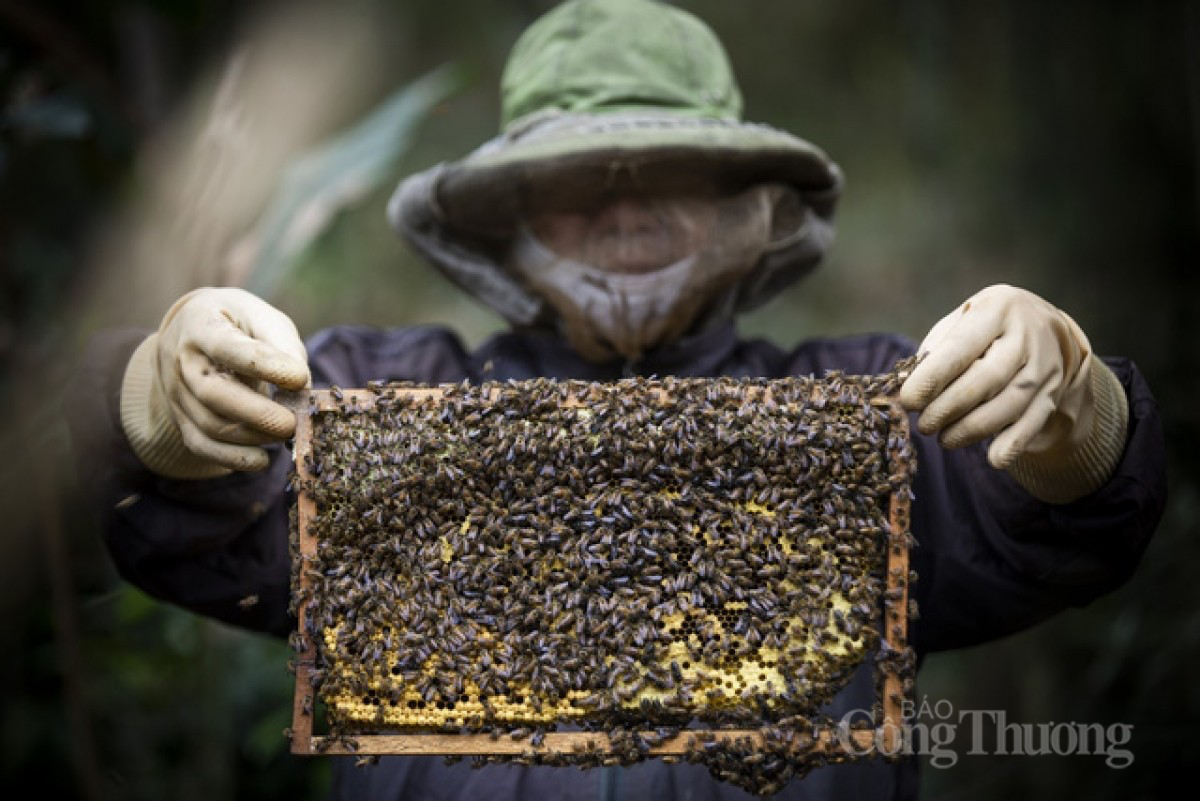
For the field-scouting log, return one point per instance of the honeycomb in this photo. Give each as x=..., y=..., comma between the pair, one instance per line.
x=644, y=555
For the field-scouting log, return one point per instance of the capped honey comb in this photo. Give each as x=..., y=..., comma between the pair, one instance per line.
x=581, y=573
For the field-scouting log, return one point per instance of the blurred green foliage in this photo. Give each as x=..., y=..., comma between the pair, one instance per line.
x=335, y=177
x=1052, y=146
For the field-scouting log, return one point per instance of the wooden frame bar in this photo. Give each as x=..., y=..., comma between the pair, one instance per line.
x=304, y=741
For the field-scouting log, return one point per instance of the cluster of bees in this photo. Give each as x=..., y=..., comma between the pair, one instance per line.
x=635, y=559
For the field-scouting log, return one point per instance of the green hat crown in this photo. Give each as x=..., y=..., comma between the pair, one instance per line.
x=604, y=56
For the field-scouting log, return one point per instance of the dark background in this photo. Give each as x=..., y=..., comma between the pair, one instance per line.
x=1054, y=146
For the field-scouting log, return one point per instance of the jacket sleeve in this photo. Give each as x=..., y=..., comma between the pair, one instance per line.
x=217, y=547
x=220, y=547
x=991, y=559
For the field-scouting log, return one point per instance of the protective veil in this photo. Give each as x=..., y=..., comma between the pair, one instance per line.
x=607, y=314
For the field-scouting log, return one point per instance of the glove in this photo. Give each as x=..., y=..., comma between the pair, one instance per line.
x=1010, y=365
x=194, y=396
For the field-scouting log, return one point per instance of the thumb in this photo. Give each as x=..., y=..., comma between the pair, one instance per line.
x=922, y=385
x=256, y=340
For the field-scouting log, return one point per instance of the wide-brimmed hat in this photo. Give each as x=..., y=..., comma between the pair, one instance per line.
x=599, y=95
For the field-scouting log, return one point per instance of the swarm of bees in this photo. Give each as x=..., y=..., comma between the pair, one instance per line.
x=639, y=559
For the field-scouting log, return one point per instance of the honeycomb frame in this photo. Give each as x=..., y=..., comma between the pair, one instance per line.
x=894, y=614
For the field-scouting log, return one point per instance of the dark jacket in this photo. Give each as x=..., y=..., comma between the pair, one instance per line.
x=991, y=559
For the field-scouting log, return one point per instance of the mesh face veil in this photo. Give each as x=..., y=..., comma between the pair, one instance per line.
x=606, y=314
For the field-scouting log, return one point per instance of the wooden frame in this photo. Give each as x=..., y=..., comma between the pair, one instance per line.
x=304, y=741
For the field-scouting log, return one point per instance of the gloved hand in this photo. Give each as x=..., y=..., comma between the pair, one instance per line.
x=1010, y=365
x=194, y=396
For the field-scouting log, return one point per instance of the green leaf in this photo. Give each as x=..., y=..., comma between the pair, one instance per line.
x=337, y=174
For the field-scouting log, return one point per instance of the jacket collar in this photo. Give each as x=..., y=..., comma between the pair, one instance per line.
x=529, y=353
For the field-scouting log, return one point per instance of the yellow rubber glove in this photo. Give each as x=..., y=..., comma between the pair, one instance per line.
x=194, y=396
x=1009, y=365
